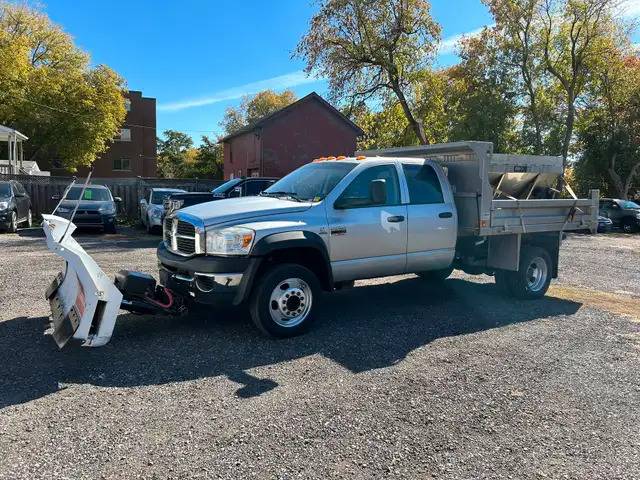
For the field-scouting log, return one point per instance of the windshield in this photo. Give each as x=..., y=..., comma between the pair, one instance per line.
x=227, y=186
x=157, y=198
x=91, y=194
x=5, y=189
x=628, y=204
x=312, y=182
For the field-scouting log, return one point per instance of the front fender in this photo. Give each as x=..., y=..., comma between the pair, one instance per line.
x=279, y=243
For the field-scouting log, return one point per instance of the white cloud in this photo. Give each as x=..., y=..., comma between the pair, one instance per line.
x=281, y=82
x=449, y=44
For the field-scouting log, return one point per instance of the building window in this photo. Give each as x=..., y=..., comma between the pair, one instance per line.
x=127, y=104
x=122, y=164
x=125, y=135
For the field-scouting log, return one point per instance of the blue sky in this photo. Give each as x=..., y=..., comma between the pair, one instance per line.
x=198, y=57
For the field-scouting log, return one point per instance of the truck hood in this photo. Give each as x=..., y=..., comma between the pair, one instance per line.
x=244, y=208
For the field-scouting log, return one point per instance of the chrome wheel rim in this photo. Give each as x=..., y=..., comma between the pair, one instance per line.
x=14, y=220
x=290, y=302
x=29, y=218
x=537, y=272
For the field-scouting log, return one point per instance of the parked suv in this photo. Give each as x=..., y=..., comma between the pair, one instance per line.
x=97, y=208
x=15, y=206
x=243, y=187
x=623, y=213
x=152, y=209
x=237, y=187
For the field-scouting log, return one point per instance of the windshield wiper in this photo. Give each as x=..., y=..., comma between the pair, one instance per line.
x=291, y=195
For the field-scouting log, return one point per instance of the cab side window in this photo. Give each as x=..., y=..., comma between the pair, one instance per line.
x=358, y=193
x=424, y=185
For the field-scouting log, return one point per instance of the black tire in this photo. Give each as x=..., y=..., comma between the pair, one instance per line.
x=436, y=275
x=13, y=223
x=629, y=225
x=532, y=279
x=273, y=297
x=110, y=229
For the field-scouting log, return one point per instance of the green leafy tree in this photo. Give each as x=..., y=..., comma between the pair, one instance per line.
x=372, y=48
x=575, y=37
x=50, y=93
x=255, y=107
x=609, y=129
x=207, y=161
x=482, y=94
x=178, y=158
x=385, y=128
x=175, y=150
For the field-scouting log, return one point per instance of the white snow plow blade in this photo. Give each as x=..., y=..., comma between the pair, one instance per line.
x=84, y=301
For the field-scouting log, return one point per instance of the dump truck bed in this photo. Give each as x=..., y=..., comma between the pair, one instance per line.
x=500, y=194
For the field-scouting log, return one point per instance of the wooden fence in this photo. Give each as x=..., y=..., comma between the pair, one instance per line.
x=131, y=190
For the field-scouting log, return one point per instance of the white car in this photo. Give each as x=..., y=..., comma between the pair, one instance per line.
x=152, y=209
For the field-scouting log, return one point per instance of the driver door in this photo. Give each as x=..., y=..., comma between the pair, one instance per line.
x=367, y=239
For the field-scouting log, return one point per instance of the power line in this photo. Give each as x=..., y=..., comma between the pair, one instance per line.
x=76, y=114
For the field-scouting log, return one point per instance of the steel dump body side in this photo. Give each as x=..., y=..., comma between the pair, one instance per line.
x=495, y=194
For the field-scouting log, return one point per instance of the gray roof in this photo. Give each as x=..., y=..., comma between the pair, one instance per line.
x=285, y=110
x=6, y=132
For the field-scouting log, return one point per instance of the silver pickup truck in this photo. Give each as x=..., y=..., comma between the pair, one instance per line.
x=423, y=210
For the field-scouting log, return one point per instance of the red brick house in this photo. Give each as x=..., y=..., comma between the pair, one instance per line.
x=283, y=141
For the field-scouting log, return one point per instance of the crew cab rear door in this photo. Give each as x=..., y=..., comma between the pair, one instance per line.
x=366, y=239
x=432, y=217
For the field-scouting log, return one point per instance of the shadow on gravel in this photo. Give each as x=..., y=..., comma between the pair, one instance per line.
x=362, y=329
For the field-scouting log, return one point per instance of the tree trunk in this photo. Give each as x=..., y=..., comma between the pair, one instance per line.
x=571, y=118
x=621, y=186
x=416, y=124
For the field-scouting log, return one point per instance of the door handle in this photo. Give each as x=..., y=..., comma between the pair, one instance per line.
x=445, y=214
x=395, y=219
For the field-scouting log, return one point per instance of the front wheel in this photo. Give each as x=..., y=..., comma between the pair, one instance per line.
x=629, y=226
x=282, y=302
x=532, y=278
x=150, y=228
x=13, y=222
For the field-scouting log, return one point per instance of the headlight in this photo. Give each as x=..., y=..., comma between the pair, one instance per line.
x=64, y=209
x=108, y=210
x=155, y=212
x=229, y=241
x=4, y=205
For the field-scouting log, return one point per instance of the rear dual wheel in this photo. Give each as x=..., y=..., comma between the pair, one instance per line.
x=533, y=278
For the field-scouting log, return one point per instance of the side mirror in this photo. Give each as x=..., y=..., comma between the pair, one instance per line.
x=117, y=199
x=143, y=201
x=378, y=191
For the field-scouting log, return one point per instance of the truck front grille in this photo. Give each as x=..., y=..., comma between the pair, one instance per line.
x=181, y=237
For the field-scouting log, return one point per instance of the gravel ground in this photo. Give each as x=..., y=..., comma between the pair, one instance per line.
x=397, y=379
